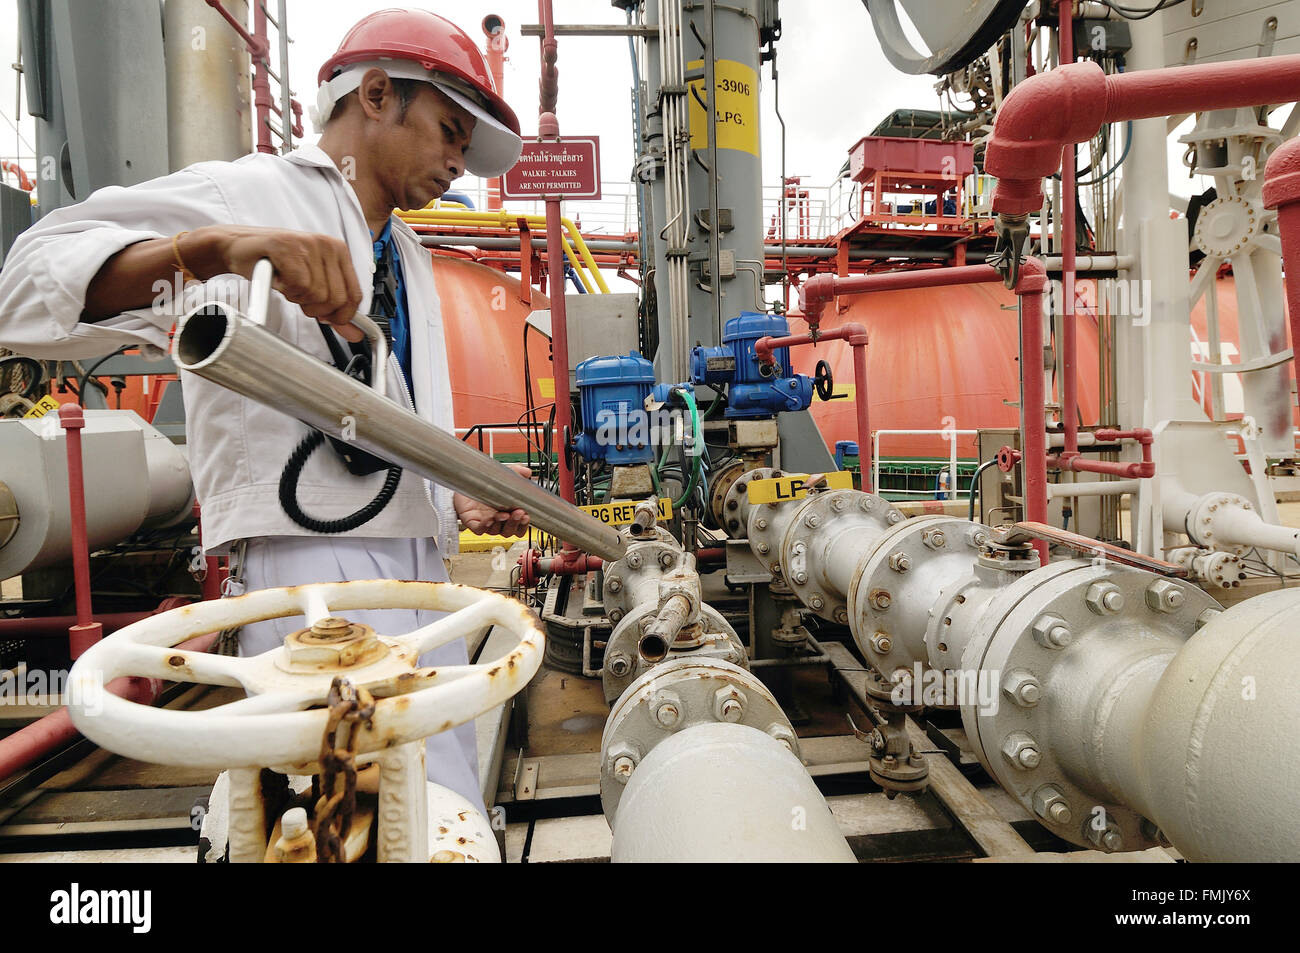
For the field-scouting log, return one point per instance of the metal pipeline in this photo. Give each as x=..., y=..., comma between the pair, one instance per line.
x=217, y=343
x=1223, y=521
x=724, y=792
x=1114, y=703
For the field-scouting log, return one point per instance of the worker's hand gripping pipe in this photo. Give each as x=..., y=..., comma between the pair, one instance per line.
x=219, y=344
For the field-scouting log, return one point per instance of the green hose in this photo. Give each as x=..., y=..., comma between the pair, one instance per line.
x=697, y=432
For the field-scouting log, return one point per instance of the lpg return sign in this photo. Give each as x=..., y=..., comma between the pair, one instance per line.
x=567, y=168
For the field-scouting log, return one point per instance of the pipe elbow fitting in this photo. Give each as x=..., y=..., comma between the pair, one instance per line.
x=1031, y=278
x=1282, y=176
x=1041, y=116
x=817, y=292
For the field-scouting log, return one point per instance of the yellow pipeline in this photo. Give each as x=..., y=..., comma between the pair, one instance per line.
x=509, y=220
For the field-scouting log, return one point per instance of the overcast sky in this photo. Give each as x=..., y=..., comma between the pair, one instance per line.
x=835, y=83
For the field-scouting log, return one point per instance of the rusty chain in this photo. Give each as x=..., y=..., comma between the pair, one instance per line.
x=349, y=706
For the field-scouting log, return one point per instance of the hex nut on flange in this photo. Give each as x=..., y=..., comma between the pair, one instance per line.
x=1165, y=596
x=1051, y=632
x=1022, y=688
x=1110, y=838
x=1050, y=805
x=667, y=707
x=1022, y=751
x=729, y=704
x=618, y=665
x=622, y=759
x=881, y=643
x=900, y=562
x=1104, y=598
x=880, y=599
x=934, y=538
x=783, y=734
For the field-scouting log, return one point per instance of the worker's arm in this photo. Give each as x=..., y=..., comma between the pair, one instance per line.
x=313, y=271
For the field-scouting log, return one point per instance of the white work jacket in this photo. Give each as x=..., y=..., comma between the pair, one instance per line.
x=237, y=447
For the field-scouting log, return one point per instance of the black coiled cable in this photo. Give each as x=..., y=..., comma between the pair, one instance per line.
x=289, y=492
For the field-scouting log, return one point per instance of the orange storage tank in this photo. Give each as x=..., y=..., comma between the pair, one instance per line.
x=940, y=358
x=484, y=318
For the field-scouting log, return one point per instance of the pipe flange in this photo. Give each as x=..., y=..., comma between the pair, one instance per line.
x=768, y=523
x=1201, y=518
x=719, y=485
x=814, y=529
x=1227, y=226
x=1039, y=646
x=639, y=571
x=703, y=691
x=711, y=637
x=736, y=506
x=894, y=587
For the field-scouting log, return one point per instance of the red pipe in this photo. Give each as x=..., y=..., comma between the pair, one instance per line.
x=1033, y=416
x=1142, y=471
x=820, y=290
x=30, y=627
x=497, y=44
x=85, y=632
x=1069, y=360
x=856, y=335
x=1070, y=104
x=548, y=127
x=55, y=730
x=1282, y=192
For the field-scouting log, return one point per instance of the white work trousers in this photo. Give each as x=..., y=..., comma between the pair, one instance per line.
x=273, y=561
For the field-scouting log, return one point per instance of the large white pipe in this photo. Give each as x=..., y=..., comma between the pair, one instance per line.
x=724, y=793
x=1199, y=737
x=1222, y=521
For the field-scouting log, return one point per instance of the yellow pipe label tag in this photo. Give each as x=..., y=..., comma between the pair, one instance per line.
x=735, y=98
x=793, y=486
x=42, y=407
x=621, y=513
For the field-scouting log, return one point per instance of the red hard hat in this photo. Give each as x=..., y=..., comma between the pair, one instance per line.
x=433, y=42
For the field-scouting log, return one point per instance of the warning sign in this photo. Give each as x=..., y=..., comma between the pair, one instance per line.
x=793, y=486
x=620, y=514
x=555, y=168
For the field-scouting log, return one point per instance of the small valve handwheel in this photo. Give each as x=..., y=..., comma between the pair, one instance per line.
x=281, y=721
x=824, y=381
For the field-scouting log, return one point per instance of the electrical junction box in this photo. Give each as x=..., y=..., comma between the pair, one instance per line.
x=598, y=324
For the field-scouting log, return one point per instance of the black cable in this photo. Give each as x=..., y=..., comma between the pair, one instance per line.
x=975, y=485
x=85, y=376
x=1128, y=13
x=289, y=492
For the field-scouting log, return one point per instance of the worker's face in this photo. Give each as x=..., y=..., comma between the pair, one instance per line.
x=421, y=153
x=425, y=151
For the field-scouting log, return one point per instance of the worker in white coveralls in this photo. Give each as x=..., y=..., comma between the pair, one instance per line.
x=407, y=105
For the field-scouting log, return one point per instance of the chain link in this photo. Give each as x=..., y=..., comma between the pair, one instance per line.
x=349, y=706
